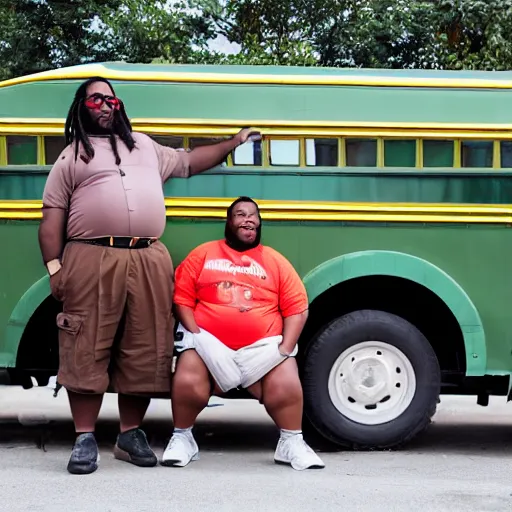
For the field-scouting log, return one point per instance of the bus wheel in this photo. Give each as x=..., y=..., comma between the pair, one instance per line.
x=371, y=381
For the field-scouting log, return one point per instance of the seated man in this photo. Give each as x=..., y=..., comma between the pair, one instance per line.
x=242, y=307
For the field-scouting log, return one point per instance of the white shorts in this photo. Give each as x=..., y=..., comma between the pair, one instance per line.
x=233, y=368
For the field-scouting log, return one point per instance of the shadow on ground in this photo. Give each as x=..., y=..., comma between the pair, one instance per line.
x=225, y=436
x=212, y=436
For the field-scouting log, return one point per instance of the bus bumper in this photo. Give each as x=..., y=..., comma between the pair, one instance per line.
x=5, y=379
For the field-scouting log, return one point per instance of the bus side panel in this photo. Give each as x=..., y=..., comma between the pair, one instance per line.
x=22, y=266
x=475, y=256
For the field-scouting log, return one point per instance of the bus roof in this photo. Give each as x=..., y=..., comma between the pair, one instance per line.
x=272, y=95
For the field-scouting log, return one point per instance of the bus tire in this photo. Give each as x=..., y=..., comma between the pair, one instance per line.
x=371, y=380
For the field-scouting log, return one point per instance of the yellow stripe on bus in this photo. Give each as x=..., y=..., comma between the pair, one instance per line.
x=215, y=208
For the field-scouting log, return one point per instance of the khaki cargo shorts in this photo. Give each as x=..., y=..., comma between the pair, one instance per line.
x=116, y=328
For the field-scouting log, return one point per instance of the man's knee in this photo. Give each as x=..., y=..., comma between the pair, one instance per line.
x=285, y=392
x=191, y=376
x=282, y=385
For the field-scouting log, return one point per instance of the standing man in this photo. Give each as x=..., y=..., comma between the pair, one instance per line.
x=103, y=215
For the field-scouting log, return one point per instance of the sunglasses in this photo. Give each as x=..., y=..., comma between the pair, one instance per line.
x=95, y=101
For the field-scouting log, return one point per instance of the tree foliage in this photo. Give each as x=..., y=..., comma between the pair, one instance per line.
x=436, y=34
x=38, y=35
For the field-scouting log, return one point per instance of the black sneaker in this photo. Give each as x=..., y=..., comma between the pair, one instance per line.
x=132, y=446
x=84, y=457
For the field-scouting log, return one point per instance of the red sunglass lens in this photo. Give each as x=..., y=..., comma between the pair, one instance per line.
x=93, y=103
x=114, y=102
x=96, y=102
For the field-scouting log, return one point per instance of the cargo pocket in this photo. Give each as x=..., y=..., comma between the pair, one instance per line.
x=71, y=354
x=69, y=323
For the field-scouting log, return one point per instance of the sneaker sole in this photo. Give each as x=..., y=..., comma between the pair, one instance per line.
x=284, y=463
x=174, y=463
x=126, y=457
x=81, y=469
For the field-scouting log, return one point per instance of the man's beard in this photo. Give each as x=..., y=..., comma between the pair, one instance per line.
x=239, y=245
x=92, y=127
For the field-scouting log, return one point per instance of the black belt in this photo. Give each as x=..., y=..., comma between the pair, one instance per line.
x=119, y=242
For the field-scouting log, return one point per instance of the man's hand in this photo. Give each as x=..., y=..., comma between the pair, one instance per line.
x=186, y=317
x=293, y=326
x=203, y=158
x=244, y=134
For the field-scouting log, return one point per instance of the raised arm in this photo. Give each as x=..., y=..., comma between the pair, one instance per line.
x=206, y=157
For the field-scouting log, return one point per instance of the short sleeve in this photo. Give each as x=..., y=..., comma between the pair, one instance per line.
x=186, y=276
x=172, y=162
x=293, y=298
x=59, y=183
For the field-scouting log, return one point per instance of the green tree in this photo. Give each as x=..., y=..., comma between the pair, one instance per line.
x=38, y=35
x=436, y=34
x=474, y=34
x=151, y=30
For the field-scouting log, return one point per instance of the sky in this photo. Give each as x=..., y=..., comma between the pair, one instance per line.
x=222, y=45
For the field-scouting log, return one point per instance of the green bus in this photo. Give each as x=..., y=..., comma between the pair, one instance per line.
x=390, y=192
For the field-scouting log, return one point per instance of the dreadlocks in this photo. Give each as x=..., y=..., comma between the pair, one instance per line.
x=79, y=124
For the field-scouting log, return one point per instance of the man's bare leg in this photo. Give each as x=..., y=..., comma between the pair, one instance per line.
x=280, y=391
x=282, y=395
x=132, y=410
x=190, y=393
x=85, y=409
x=190, y=389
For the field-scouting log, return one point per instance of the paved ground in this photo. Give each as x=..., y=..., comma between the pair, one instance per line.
x=463, y=463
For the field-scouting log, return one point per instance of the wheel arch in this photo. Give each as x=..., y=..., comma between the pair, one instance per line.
x=21, y=314
x=402, y=265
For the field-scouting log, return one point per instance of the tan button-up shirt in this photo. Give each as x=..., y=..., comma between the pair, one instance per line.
x=105, y=199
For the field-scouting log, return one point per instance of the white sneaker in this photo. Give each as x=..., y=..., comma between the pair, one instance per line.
x=180, y=450
x=295, y=452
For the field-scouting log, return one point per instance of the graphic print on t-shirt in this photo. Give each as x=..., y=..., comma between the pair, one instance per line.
x=233, y=292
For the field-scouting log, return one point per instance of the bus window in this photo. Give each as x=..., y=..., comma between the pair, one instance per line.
x=53, y=147
x=506, y=153
x=196, y=142
x=322, y=152
x=361, y=152
x=438, y=153
x=248, y=154
x=400, y=153
x=170, y=141
x=21, y=150
x=476, y=153
x=284, y=152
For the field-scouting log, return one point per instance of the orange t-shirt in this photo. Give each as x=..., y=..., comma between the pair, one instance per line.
x=239, y=297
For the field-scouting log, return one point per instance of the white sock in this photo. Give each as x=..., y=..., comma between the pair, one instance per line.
x=286, y=434
x=187, y=432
